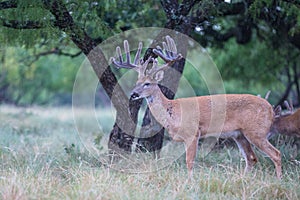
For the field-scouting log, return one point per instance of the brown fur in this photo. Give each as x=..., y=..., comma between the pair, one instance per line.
x=245, y=118
x=287, y=124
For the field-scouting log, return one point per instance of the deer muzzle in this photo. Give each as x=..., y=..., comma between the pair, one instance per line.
x=134, y=96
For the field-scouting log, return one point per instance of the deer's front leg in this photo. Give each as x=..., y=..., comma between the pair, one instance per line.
x=191, y=146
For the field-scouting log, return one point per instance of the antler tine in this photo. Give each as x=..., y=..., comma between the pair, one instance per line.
x=291, y=104
x=127, y=64
x=267, y=95
x=155, y=66
x=166, y=48
x=119, y=54
x=287, y=105
x=138, y=54
x=144, y=66
x=277, y=111
x=172, y=45
x=127, y=52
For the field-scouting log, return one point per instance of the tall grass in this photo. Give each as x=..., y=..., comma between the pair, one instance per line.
x=41, y=157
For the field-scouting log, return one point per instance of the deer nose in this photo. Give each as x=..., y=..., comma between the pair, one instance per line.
x=134, y=95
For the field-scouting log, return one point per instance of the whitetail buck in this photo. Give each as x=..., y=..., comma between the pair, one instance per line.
x=246, y=118
x=288, y=123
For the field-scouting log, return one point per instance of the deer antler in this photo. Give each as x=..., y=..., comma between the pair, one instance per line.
x=278, y=110
x=127, y=64
x=168, y=54
x=170, y=51
x=138, y=64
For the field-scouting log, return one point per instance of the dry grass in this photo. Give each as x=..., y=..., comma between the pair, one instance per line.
x=42, y=158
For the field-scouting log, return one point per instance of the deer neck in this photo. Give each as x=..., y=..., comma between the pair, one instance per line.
x=160, y=107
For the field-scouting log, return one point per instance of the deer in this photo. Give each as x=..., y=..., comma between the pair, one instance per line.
x=244, y=117
x=288, y=123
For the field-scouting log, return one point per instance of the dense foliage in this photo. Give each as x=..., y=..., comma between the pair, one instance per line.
x=28, y=80
x=255, y=44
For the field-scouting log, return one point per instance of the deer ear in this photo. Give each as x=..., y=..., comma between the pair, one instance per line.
x=159, y=75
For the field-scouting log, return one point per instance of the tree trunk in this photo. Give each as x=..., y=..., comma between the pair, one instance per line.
x=296, y=80
x=121, y=136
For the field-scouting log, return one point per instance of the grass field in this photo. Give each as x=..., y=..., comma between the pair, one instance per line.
x=42, y=158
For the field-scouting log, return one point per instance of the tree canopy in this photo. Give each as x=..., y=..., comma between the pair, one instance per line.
x=268, y=31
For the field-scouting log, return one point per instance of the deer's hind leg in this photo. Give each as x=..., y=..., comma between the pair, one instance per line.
x=247, y=151
x=260, y=141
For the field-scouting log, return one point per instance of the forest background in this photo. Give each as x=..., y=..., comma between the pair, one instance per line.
x=255, y=44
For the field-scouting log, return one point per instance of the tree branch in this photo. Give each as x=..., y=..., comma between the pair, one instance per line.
x=8, y=4
x=231, y=9
x=170, y=7
x=186, y=6
x=15, y=24
x=59, y=52
x=55, y=51
x=64, y=21
x=296, y=2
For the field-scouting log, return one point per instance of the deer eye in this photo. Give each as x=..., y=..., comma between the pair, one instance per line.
x=146, y=85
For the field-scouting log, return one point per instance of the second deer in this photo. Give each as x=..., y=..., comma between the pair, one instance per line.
x=245, y=118
x=288, y=123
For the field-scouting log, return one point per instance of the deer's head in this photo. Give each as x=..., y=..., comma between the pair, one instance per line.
x=150, y=73
x=278, y=110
